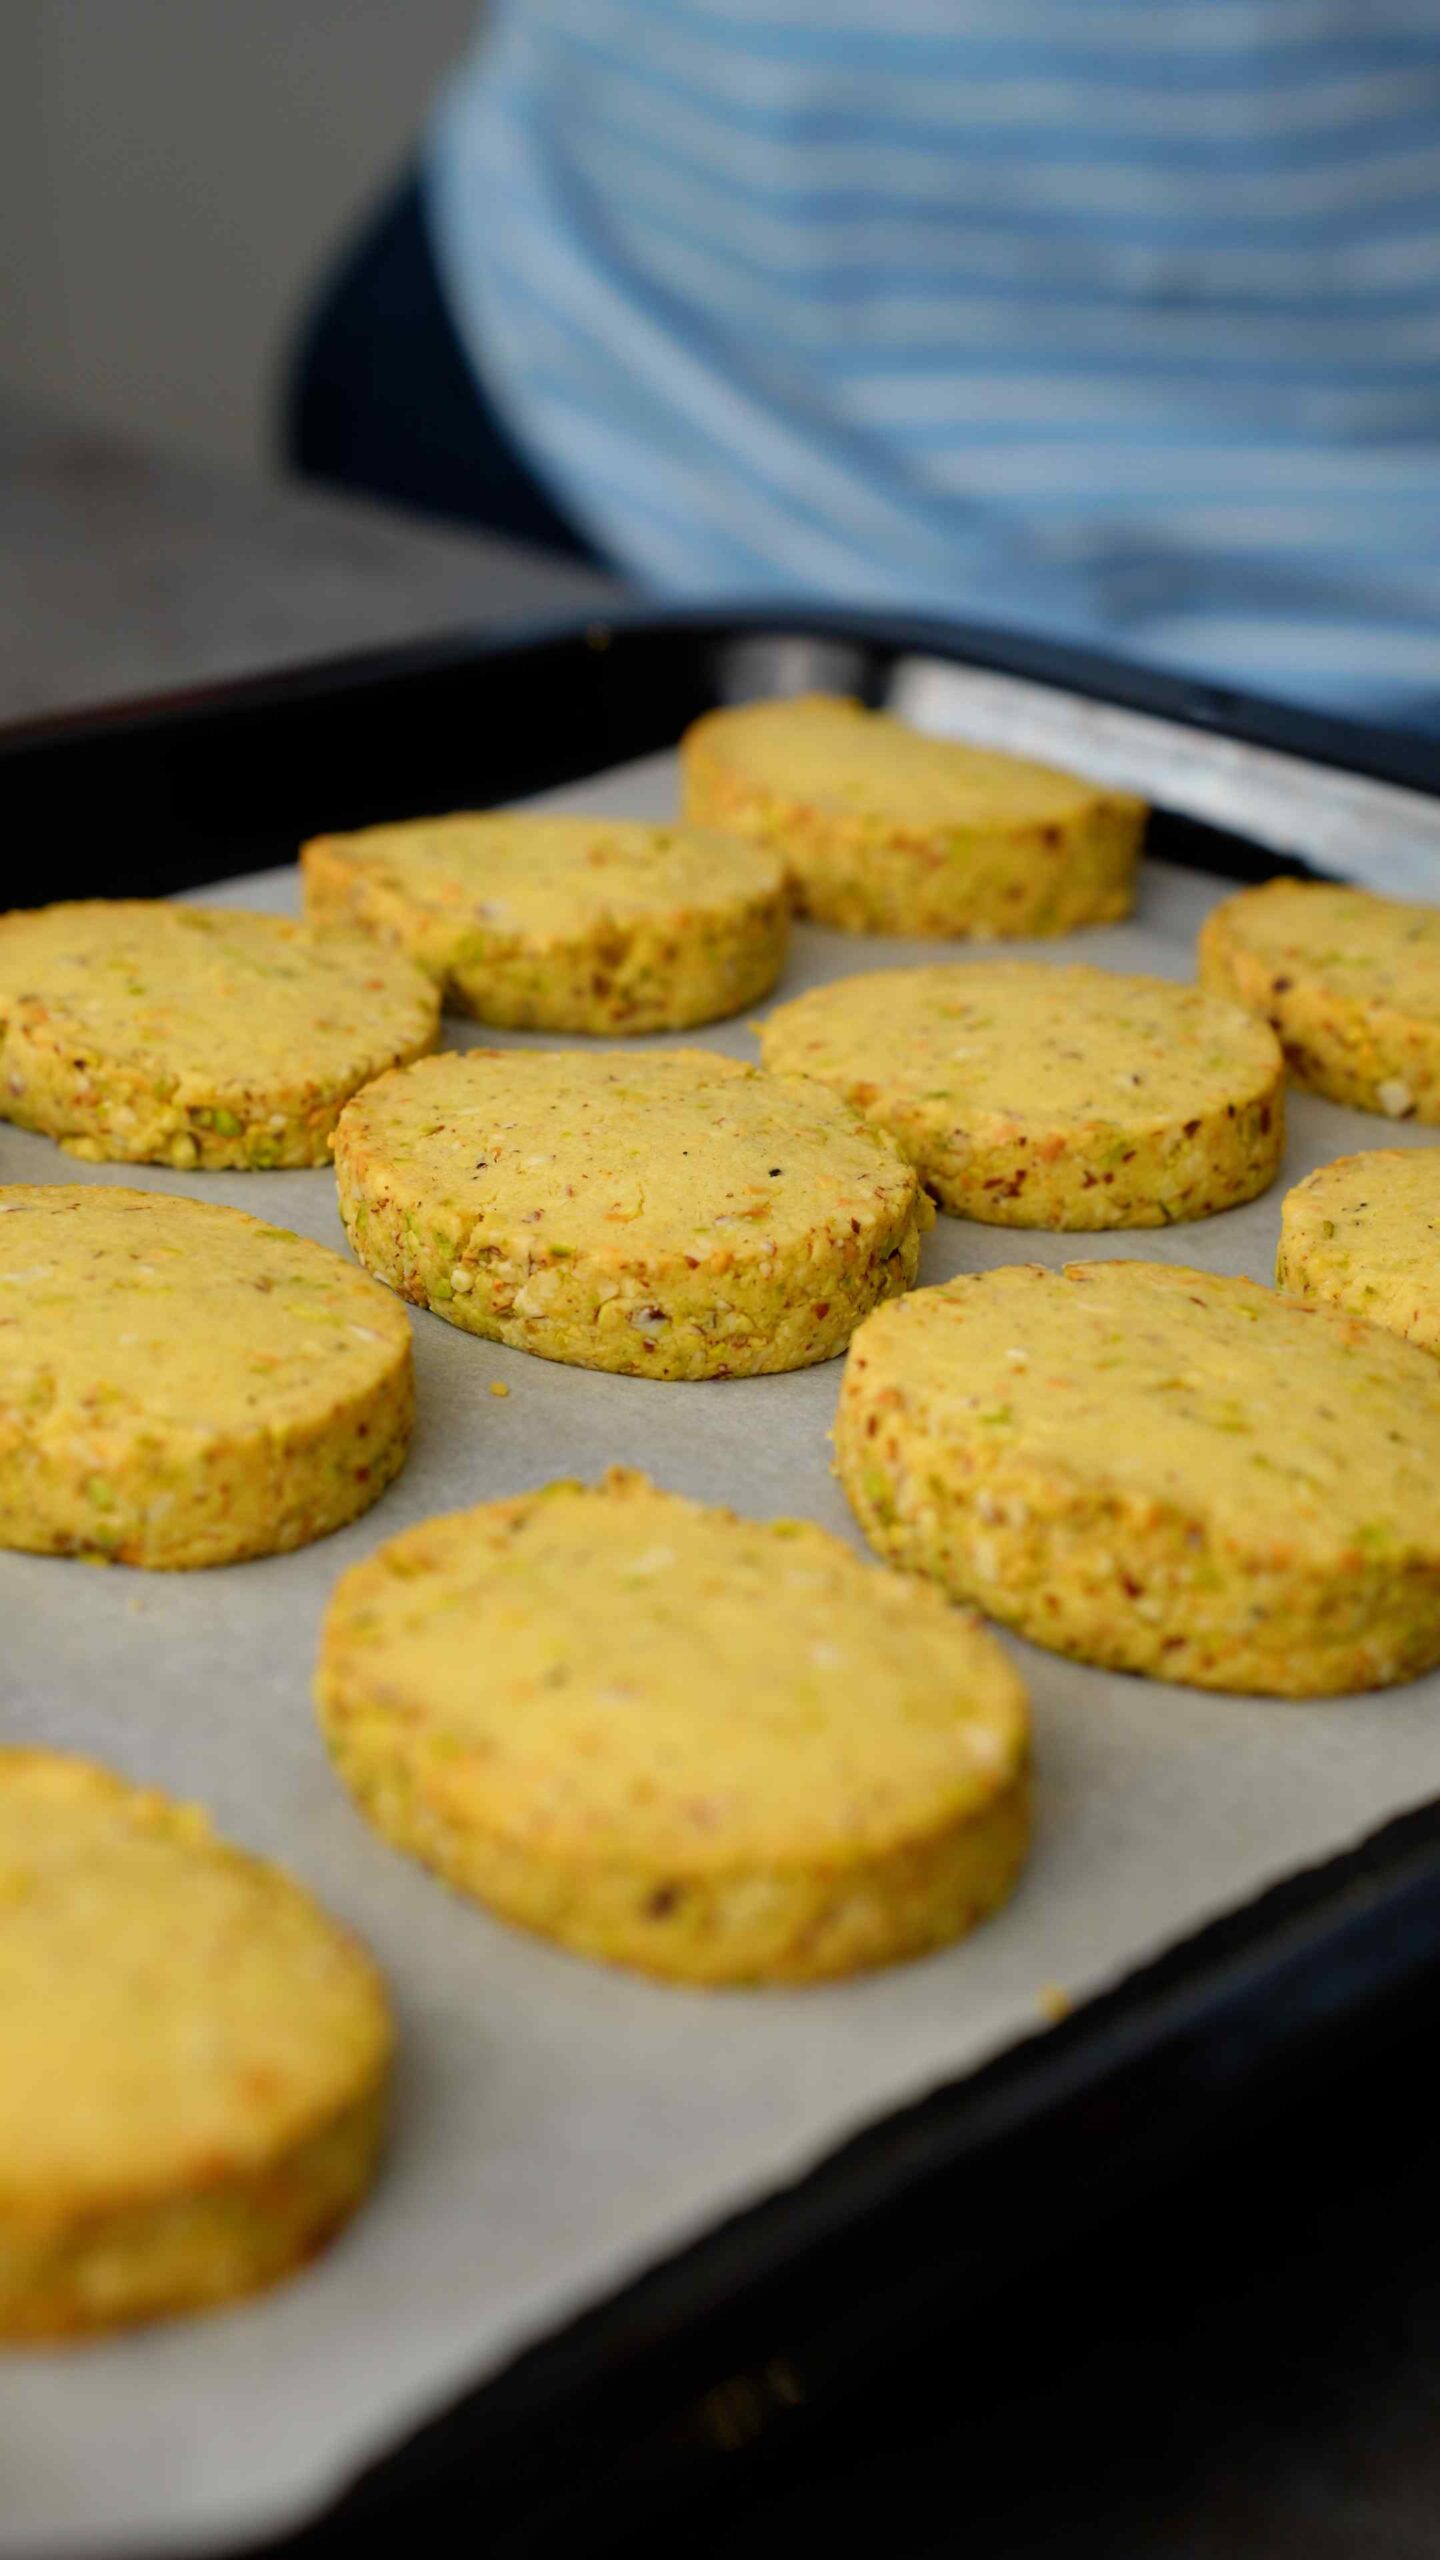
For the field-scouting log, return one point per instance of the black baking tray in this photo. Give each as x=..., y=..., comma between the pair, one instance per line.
x=137, y=800
x=984, y=2184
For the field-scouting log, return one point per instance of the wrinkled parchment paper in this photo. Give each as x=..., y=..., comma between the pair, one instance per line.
x=558, y=2127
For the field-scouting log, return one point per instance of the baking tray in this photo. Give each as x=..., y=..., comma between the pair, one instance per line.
x=603, y=2194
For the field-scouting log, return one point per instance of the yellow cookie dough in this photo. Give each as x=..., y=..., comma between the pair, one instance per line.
x=712, y=1749
x=1364, y=1234
x=143, y=1033
x=885, y=830
x=674, y=1215
x=1159, y=1470
x=180, y=1385
x=564, y=924
x=193, y=2059
x=1032, y=1096
x=1351, y=983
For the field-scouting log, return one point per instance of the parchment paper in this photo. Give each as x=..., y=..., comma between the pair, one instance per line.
x=1379, y=833
x=558, y=2126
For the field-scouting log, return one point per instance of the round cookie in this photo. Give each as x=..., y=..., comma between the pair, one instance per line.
x=675, y=1215
x=885, y=830
x=717, y=1750
x=193, y=2059
x=1159, y=1470
x=1033, y=1096
x=1363, y=1233
x=564, y=924
x=181, y=1385
x=139, y=1032
x=1350, y=982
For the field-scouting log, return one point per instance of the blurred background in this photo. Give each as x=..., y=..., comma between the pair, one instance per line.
x=1107, y=325
x=174, y=175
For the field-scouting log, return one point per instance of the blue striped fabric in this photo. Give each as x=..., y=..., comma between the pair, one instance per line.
x=1112, y=320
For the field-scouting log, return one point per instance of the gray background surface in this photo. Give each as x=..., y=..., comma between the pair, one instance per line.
x=173, y=176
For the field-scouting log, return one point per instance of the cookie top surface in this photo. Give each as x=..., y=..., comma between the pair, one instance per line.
x=553, y=878
x=1067, y=1047
x=1285, y=1425
x=832, y=754
x=1388, y=1195
x=1365, y=949
x=675, y=1150
x=170, y=2009
x=666, y=1685
x=1371, y=1223
x=126, y=1310
x=227, y=998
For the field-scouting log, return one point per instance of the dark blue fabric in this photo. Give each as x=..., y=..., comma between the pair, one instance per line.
x=382, y=400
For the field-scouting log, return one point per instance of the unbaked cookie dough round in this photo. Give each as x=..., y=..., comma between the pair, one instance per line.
x=1350, y=982
x=672, y=1214
x=1363, y=1233
x=885, y=830
x=1159, y=1470
x=182, y=1385
x=193, y=2059
x=715, y=1749
x=138, y=1032
x=564, y=924
x=1035, y=1096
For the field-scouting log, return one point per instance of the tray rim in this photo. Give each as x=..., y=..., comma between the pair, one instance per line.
x=1408, y=758
x=1331, y=1942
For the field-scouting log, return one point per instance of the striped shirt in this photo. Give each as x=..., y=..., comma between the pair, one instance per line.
x=1115, y=321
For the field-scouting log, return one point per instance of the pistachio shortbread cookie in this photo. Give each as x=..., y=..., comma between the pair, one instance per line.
x=1035, y=1096
x=885, y=830
x=193, y=2059
x=1350, y=983
x=716, y=1749
x=137, y=1032
x=1363, y=1233
x=182, y=1385
x=673, y=1214
x=564, y=924
x=1159, y=1470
